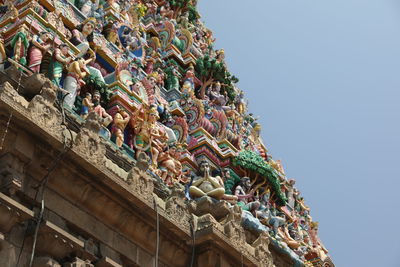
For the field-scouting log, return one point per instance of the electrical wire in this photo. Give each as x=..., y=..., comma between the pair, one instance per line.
x=193, y=233
x=40, y=188
x=43, y=183
x=158, y=232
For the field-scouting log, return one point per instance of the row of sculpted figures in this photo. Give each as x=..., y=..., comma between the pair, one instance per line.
x=149, y=69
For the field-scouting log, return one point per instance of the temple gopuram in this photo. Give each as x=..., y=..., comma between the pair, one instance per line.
x=124, y=141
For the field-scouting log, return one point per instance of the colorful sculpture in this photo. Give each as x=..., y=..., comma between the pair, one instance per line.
x=205, y=184
x=152, y=65
x=40, y=45
x=83, y=35
x=74, y=80
x=20, y=45
x=149, y=136
x=59, y=60
x=3, y=55
x=170, y=169
x=87, y=105
x=121, y=119
x=246, y=196
x=106, y=118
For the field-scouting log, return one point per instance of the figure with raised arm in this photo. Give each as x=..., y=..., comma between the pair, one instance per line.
x=59, y=60
x=246, y=197
x=74, y=80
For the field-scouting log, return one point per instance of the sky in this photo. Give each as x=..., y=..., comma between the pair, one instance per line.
x=324, y=78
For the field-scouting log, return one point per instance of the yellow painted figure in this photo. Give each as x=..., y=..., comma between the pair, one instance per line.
x=3, y=55
x=120, y=121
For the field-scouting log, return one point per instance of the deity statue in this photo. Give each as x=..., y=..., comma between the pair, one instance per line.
x=183, y=20
x=205, y=184
x=121, y=119
x=89, y=7
x=100, y=110
x=40, y=45
x=246, y=197
x=87, y=105
x=74, y=80
x=225, y=176
x=20, y=45
x=150, y=61
x=318, y=247
x=172, y=81
x=166, y=11
x=161, y=77
x=191, y=78
x=170, y=169
x=217, y=99
x=59, y=60
x=82, y=35
x=111, y=31
x=139, y=89
x=220, y=56
x=149, y=136
x=240, y=103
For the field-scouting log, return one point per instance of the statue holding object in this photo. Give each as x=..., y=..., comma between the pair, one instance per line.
x=74, y=80
x=59, y=59
x=149, y=137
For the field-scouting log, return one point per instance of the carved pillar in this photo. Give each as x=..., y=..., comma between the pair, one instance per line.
x=43, y=112
x=88, y=142
x=141, y=183
x=13, y=163
x=262, y=252
x=11, y=173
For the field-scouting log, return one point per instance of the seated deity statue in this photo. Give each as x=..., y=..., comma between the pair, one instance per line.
x=206, y=185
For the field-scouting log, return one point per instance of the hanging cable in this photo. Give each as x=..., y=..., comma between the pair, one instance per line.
x=43, y=183
x=193, y=233
x=158, y=232
x=40, y=188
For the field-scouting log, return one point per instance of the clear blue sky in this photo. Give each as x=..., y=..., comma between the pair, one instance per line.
x=324, y=77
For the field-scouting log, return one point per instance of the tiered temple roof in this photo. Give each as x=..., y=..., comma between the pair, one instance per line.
x=135, y=90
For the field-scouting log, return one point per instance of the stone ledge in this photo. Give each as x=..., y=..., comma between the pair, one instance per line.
x=106, y=262
x=12, y=213
x=212, y=234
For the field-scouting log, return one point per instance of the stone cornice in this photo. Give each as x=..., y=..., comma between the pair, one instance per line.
x=125, y=204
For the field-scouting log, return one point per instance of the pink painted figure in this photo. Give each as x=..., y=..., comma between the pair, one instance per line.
x=107, y=119
x=40, y=45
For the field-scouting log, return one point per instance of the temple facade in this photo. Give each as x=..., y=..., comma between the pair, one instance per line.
x=124, y=141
